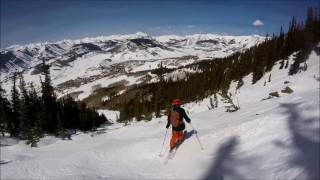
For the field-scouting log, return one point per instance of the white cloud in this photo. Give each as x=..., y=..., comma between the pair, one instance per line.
x=257, y=22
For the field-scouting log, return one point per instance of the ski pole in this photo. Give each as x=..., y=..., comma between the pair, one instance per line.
x=165, y=136
x=196, y=132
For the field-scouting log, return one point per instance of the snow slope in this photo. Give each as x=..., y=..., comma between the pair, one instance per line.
x=277, y=138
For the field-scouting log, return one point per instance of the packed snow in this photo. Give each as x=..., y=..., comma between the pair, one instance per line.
x=276, y=138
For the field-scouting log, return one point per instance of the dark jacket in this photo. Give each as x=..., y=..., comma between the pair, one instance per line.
x=182, y=115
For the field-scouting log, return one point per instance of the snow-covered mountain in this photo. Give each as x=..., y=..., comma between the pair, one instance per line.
x=76, y=63
x=274, y=138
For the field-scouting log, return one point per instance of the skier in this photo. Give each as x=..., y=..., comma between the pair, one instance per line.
x=175, y=118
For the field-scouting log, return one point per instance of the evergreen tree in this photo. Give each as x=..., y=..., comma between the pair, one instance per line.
x=35, y=113
x=25, y=109
x=287, y=64
x=35, y=106
x=14, y=124
x=269, y=79
x=49, y=111
x=240, y=84
x=5, y=112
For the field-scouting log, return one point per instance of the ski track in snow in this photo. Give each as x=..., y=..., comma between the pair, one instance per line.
x=276, y=138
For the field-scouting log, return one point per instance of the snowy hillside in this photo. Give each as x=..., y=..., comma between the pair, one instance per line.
x=77, y=66
x=275, y=138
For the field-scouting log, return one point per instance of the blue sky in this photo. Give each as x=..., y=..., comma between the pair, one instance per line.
x=29, y=21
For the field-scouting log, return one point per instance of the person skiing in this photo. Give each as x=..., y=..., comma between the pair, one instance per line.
x=175, y=118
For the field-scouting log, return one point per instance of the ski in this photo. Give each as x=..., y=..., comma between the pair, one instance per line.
x=172, y=154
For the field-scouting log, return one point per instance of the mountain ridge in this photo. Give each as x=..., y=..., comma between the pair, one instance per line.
x=90, y=59
x=117, y=36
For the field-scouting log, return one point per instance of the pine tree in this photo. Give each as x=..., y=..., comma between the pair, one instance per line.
x=287, y=64
x=35, y=107
x=14, y=124
x=49, y=113
x=25, y=109
x=211, y=104
x=35, y=131
x=240, y=83
x=33, y=136
x=216, y=100
x=269, y=79
x=5, y=112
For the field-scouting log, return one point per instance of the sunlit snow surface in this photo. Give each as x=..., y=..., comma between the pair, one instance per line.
x=276, y=138
x=100, y=65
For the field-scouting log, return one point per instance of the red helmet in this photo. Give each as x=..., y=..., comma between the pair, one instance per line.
x=176, y=102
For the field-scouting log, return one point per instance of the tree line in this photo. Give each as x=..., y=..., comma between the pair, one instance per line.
x=214, y=76
x=28, y=115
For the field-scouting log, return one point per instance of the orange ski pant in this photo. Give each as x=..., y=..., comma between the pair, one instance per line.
x=176, y=135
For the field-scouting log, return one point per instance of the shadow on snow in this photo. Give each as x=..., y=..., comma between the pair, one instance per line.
x=305, y=140
x=223, y=164
x=305, y=133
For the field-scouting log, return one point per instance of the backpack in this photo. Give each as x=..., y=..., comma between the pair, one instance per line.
x=174, y=118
